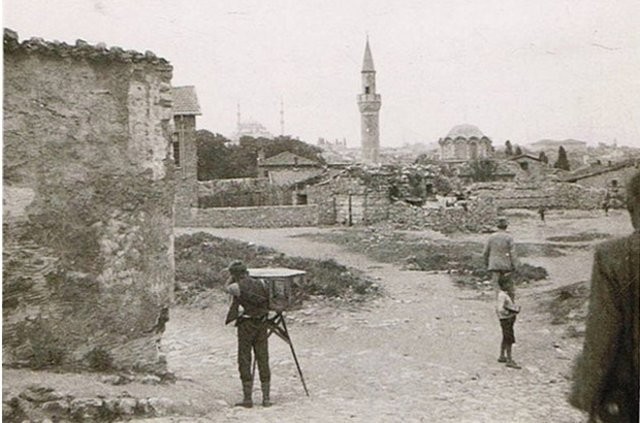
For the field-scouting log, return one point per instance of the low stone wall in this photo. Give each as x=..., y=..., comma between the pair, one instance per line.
x=480, y=214
x=241, y=192
x=252, y=217
x=553, y=195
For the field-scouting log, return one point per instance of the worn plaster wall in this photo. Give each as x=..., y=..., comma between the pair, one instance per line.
x=88, y=249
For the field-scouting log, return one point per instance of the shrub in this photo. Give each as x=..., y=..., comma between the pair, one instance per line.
x=99, y=359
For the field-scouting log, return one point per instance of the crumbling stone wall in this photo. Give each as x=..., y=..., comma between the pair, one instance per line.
x=480, y=214
x=88, y=248
x=254, y=217
x=551, y=195
x=241, y=192
x=349, y=200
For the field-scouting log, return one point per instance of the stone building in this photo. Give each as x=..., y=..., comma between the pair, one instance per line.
x=185, y=108
x=463, y=143
x=88, y=193
x=369, y=103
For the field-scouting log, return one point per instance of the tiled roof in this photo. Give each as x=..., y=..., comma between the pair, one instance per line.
x=185, y=101
x=292, y=177
x=81, y=50
x=287, y=158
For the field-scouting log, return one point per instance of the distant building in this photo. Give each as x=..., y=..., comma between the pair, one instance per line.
x=463, y=143
x=369, y=103
x=287, y=168
x=570, y=145
x=249, y=128
x=184, y=109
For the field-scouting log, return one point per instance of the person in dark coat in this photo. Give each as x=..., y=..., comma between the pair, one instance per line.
x=605, y=376
x=253, y=296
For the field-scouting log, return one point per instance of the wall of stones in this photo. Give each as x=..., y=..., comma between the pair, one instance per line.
x=253, y=217
x=242, y=192
x=88, y=192
x=603, y=180
x=343, y=197
x=551, y=195
x=480, y=214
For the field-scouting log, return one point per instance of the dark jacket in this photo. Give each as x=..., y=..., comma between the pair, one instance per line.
x=607, y=369
x=254, y=299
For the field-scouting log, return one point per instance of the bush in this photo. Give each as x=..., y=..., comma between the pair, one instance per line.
x=202, y=259
x=99, y=360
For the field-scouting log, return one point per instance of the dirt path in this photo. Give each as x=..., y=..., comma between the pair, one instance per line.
x=426, y=351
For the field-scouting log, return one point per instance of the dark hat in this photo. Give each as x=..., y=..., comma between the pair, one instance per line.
x=237, y=266
x=502, y=222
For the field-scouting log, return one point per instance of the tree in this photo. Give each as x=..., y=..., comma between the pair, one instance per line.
x=483, y=170
x=518, y=151
x=508, y=148
x=543, y=157
x=563, y=161
x=213, y=155
x=219, y=159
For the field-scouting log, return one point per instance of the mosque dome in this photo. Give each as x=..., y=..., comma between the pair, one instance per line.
x=465, y=131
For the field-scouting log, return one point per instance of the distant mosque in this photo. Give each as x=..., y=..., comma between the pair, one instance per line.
x=369, y=103
x=464, y=142
x=249, y=128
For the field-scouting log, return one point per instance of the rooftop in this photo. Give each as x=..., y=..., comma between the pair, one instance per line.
x=287, y=158
x=81, y=50
x=185, y=101
x=465, y=131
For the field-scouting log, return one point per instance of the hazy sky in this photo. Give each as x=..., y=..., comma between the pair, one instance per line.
x=518, y=69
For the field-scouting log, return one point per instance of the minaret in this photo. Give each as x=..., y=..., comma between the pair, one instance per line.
x=281, y=117
x=369, y=103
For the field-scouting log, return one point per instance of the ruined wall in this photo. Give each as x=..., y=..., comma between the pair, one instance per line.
x=551, y=195
x=349, y=200
x=253, y=217
x=480, y=214
x=88, y=248
x=241, y=192
x=604, y=180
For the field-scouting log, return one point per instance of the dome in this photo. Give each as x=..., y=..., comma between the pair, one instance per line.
x=465, y=131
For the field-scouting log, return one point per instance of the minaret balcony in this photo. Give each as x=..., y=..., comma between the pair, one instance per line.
x=369, y=102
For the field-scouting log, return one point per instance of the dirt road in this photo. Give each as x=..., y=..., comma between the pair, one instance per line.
x=426, y=351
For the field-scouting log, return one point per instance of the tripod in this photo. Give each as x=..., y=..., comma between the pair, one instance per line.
x=278, y=326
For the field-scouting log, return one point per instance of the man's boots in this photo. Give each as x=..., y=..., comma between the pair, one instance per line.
x=247, y=388
x=266, y=401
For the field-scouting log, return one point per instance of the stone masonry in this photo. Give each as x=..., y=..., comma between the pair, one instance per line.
x=88, y=226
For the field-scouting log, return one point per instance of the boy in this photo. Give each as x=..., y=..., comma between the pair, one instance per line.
x=507, y=311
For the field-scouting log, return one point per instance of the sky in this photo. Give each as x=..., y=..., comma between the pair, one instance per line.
x=518, y=69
